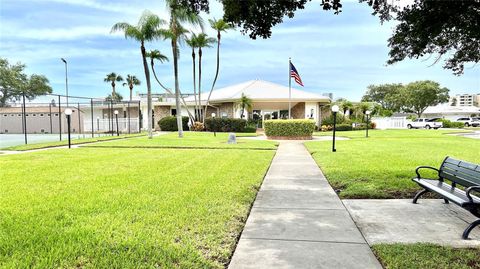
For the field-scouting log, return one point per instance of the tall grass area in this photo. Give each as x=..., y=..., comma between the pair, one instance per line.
x=126, y=208
x=382, y=165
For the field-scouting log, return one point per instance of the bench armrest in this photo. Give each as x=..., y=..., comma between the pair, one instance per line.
x=417, y=171
x=470, y=189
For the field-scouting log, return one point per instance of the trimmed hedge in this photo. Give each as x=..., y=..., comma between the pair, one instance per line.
x=452, y=124
x=169, y=123
x=225, y=125
x=343, y=127
x=289, y=128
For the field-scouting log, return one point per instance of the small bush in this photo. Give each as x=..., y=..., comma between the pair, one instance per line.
x=326, y=128
x=344, y=127
x=452, y=124
x=225, y=125
x=169, y=123
x=250, y=129
x=300, y=128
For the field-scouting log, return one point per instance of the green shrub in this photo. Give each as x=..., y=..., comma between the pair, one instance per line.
x=225, y=125
x=344, y=127
x=250, y=129
x=169, y=123
x=289, y=127
x=451, y=124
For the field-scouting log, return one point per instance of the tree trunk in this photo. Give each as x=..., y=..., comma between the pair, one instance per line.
x=177, y=88
x=216, y=73
x=197, y=117
x=202, y=113
x=131, y=90
x=149, y=91
x=113, y=90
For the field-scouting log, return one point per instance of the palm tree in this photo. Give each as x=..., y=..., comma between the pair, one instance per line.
x=131, y=81
x=192, y=43
x=147, y=29
x=244, y=102
x=363, y=107
x=116, y=98
x=111, y=78
x=157, y=55
x=176, y=33
x=346, y=106
x=203, y=41
x=220, y=26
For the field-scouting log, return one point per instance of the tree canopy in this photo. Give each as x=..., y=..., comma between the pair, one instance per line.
x=414, y=97
x=441, y=28
x=14, y=83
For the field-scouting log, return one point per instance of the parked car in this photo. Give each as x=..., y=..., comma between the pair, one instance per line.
x=424, y=123
x=475, y=122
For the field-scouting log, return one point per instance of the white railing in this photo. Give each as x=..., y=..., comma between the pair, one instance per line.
x=390, y=122
x=106, y=125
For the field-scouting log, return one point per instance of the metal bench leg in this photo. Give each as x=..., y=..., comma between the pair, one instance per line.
x=470, y=228
x=420, y=193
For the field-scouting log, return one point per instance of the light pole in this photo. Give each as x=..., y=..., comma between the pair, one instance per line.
x=367, y=113
x=66, y=78
x=214, y=125
x=116, y=120
x=98, y=125
x=335, y=109
x=68, y=112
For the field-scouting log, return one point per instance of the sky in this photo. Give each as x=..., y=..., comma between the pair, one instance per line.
x=340, y=54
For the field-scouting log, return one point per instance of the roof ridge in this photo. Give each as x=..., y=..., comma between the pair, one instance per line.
x=244, y=88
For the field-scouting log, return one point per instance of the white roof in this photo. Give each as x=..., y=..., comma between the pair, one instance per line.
x=260, y=90
x=447, y=109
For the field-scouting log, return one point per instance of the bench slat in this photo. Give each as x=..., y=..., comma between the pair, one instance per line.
x=455, y=195
x=461, y=172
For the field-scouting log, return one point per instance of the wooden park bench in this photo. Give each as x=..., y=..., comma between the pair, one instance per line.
x=459, y=173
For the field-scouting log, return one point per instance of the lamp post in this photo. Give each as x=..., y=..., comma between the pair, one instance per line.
x=335, y=109
x=367, y=113
x=66, y=78
x=214, y=125
x=116, y=120
x=68, y=113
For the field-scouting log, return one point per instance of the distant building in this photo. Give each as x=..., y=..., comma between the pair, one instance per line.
x=465, y=100
x=452, y=113
x=39, y=120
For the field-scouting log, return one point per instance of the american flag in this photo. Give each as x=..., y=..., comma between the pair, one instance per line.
x=294, y=74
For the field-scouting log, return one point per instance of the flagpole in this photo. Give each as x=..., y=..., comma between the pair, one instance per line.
x=289, y=88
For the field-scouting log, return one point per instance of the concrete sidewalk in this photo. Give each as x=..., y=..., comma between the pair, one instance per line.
x=297, y=220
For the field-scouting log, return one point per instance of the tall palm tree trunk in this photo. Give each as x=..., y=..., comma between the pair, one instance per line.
x=113, y=90
x=177, y=88
x=131, y=90
x=197, y=117
x=149, y=91
x=202, y=113
x=216, y=73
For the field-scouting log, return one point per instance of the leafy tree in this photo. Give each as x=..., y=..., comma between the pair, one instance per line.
x=147, y=29
x=116, y=97
x=445, y=28
x=345, y=105
x=421, y=94
x=111, y=78
x=387, y=95
x=220, y=26
x=131, y=81
x=14, y=83
x=362, y=107
x=244, y=103
x=176, y=33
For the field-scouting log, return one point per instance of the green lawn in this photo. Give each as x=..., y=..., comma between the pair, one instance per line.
x=190, y=140
x=382, y=165
x=64, y=142
x=420, y=256
x=126, y=208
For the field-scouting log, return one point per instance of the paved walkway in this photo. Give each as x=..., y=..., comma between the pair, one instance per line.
x=297, y=220
x=401, y=221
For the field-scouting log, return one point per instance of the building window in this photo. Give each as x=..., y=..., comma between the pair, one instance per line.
x=283, y=114
x=173, y=112
x=125, y=114
x=5, y=115
x=11, y=115
x=56, y=114
x=19, y=115
x=34, y=115
x=41, y=115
